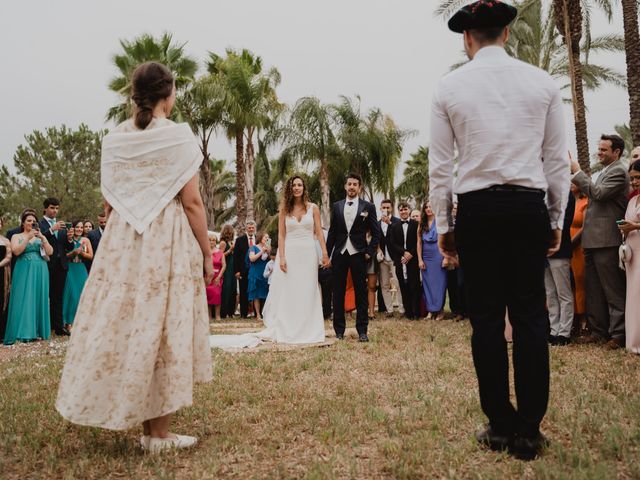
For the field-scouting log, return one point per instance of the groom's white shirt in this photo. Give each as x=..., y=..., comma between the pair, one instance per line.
x=350, y=212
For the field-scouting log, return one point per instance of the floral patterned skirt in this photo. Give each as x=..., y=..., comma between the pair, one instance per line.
x=140, y=341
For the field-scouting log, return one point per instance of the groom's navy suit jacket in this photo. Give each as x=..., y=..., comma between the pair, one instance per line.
x=364, y=222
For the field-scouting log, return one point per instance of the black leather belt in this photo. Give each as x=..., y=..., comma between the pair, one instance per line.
x=513, y=188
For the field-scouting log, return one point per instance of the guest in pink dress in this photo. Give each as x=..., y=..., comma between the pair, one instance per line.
x=214, y=291
x=631, y=230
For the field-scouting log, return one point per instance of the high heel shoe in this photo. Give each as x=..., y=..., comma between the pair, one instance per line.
x=158, y=445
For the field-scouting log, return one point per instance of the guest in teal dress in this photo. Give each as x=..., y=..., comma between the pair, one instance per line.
x=258, y=256
x=77, y=273
x=28, y=317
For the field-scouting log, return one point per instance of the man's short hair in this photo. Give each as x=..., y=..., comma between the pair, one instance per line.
x=386, y=200
x=354, y=176
x=402, y=205
x=50, y=201
x=487, y=35
x=617, y=143
x=102, y=215
x=251, y=222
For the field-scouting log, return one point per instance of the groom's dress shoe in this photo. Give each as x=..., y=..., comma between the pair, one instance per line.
x=340, y=336
x=363, y=337
x=495, y=441
x=528, y=448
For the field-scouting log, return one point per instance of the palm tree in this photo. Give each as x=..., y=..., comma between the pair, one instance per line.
x=384, y=141
x=535, y=40
x=309, y=137
x=632, y=48
x=142, y=49
x=223, y=183
x=202, y=106
x=415, y=182
x=250, y=104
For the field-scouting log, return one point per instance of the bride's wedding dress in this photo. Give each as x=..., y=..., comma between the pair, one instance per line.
x=293, y=309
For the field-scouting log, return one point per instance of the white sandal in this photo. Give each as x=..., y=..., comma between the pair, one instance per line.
x=157, y=445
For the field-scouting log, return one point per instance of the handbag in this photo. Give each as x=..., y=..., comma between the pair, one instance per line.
x=624, y=255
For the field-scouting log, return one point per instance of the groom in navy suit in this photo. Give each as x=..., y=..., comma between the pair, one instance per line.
x=347, y=246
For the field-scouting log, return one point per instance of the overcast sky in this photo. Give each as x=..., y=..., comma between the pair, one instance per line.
x=56, y=57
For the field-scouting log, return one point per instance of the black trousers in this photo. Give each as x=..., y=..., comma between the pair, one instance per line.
x=410, y=289
x=455, y=289
x=502, y=237
x=325, y=278
x=243, y=285
x=57, y=277
x=340, y=266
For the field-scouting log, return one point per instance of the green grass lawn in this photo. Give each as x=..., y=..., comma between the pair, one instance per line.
x=402, y=406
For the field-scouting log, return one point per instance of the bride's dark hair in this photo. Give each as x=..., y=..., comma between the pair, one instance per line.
x=287, y=202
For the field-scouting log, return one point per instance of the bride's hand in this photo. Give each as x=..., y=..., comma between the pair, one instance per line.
x=326, y=263
x=283, y=265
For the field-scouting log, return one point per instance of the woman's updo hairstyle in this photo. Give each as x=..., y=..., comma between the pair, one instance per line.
x=151, y=82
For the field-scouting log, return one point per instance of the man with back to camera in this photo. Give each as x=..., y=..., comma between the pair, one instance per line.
x=505, y=117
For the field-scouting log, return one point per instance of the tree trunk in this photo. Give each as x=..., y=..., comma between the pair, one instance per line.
x=206, y=191
x=250, y=169
x=241, y=202
x=632, y=49
x=324, y=193
x=569, y=22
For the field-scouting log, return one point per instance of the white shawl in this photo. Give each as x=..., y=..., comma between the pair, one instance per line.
x=143, y=171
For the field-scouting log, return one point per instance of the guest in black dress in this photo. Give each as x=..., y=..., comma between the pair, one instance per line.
x=5, y=280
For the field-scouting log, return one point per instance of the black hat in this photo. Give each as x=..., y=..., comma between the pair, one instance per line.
x=482, y=14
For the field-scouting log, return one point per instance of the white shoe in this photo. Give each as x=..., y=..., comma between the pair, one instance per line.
x=157, y=445
x=144, y=441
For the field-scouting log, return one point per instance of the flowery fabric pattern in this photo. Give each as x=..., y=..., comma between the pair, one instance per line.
x=140, y=341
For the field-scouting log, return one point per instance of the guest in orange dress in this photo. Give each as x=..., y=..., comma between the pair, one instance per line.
x=350, y=295
x=577, y=261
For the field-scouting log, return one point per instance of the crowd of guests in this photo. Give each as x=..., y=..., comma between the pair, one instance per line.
x=408, y=276
x=590, y=282
x=45, y=264
x=589, y=295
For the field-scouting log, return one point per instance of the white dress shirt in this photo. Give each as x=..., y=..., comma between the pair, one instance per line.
x=384, y=226
x=350, y=212
x=505, y=116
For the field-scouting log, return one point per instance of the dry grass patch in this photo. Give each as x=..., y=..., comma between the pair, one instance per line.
x=402, y=406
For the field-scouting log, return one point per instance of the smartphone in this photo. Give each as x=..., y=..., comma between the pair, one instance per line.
x=69, y=225
x=621, y=222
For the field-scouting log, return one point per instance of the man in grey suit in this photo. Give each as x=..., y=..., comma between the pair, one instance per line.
x=605, y=284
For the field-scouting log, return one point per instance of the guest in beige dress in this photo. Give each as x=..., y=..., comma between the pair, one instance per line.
x=631, y=230
x=141, y=336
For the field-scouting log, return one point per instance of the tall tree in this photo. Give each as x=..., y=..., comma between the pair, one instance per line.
x=202, y=106
x=568, y=16
x=415, y=182
x=632, y=47
x=58, y=162
x=251, y=104
x=142, y=49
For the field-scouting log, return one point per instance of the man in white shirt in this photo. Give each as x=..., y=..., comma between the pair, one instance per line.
x=388, y=279
x=504, y=117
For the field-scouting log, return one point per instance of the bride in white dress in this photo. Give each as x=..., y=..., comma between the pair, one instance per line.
x=293, y=309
